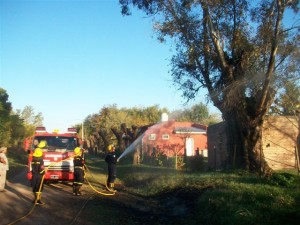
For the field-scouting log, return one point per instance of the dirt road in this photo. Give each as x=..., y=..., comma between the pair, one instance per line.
x=63, y=208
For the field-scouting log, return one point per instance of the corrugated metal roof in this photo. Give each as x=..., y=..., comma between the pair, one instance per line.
x=189, y=130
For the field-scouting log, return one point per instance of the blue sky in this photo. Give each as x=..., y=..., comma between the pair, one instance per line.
x=68, y=59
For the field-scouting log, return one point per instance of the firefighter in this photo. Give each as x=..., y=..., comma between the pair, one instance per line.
x=111, y=160
x=79, y=163
x=38, y=171
x=35, y=144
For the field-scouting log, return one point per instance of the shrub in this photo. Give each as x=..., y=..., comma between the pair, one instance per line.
x=283, y=179
x=197, y=163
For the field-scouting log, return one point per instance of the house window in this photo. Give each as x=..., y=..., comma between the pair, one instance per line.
x=152, y=137
x=165, y=137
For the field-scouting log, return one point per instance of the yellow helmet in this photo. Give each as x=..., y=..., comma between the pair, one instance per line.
x=42, y=144
x=77, y=151
x=37, y=152
x=111, y=148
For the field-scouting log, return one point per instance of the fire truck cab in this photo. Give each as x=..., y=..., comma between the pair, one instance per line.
x=57, y=154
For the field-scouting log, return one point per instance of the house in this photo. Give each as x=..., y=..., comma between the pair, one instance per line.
x=280, y=141
x=174, y=138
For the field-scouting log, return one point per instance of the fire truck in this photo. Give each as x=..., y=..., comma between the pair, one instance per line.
x=57, y=154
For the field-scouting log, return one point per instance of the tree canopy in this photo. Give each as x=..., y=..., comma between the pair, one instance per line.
x=122, y=125
x=288, y=101
x=198, y=113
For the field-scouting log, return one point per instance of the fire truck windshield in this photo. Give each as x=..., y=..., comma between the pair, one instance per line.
x=58, y=143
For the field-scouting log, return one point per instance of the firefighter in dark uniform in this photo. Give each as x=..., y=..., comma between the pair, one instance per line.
x=111, y=160
x=79, y=162
x=38, y=171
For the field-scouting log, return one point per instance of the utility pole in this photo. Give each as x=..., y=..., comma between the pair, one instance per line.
x=82, y=132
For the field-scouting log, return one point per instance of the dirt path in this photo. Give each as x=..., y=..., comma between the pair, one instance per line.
x=63, y=208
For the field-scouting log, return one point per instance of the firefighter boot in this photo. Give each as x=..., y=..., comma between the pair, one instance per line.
x=35, y=198
x=74, y=189
x=110, y=187
x=107, y=184
x=39, y=201
x=78, y=193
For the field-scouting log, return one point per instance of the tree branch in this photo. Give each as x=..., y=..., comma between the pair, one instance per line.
x=271, y=65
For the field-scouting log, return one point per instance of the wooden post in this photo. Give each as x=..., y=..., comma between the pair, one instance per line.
x=297, y=159
x=234, y=156
x=215, y=157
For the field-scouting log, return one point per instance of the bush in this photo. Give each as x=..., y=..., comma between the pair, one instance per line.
x=283, y=179
x=197, y=163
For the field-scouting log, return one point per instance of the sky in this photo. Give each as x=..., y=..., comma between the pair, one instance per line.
x=67, y=59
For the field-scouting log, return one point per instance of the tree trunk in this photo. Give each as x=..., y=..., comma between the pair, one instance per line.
x=103, y=136
x=244, y=144
x=234, y=144
x=137, y=156
x=118, y=134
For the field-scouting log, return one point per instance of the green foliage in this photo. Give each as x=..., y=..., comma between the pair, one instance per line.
x=288, y=101
x=179, y=161
x=198, y=113
x=5, y=110
x=197, y=164
x=111, y=117
x=14, y=127
x=17, y=159
x=162, y=160
x=283, y=179
x=17, y=130
x=30, y=117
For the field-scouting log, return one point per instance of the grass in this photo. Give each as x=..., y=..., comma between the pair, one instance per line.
x=219, y=198
x=215, y=198
x=235, y=202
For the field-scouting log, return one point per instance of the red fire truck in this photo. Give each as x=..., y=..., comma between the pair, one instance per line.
x=57, y=154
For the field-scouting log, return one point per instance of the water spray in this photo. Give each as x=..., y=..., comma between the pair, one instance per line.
x=131, y=147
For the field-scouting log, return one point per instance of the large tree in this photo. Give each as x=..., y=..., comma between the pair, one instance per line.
x=12, y=128
x=5, y=118
x=120, y=125
x=237, y=50
x=30, y=119
x=29, y=116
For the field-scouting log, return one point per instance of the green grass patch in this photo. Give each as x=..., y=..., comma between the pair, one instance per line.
x=220, y=198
